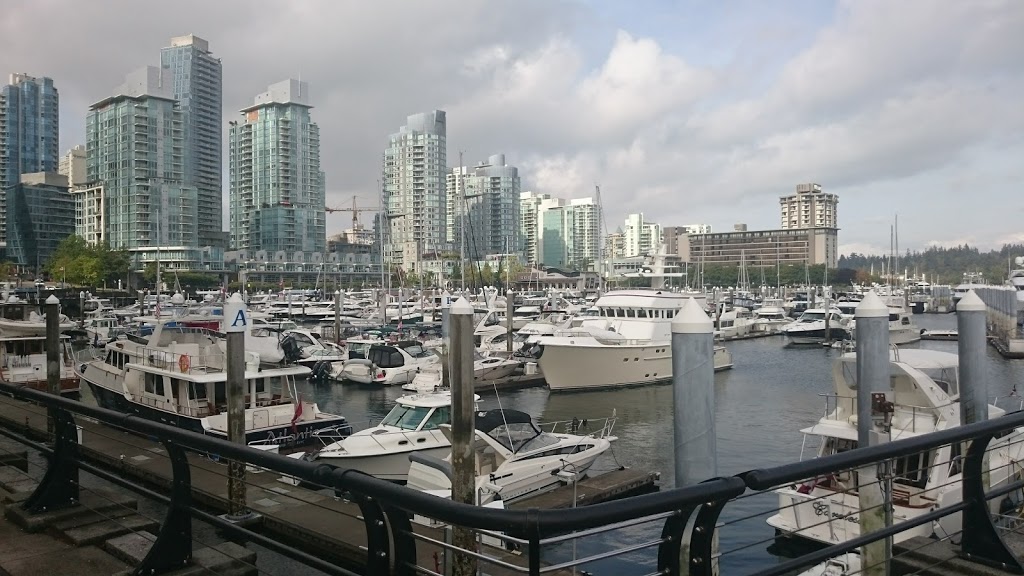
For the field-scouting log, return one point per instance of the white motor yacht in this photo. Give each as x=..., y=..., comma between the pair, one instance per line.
x=23, y=361
x=178, y=377
x=770, y=317
x=412, y=425
x=809, y=328
x=924, y=398
x=389, y=363
x=1016, y=279
x=485, y=369
x=515, y=458
x=627, y=344
x=100, y=330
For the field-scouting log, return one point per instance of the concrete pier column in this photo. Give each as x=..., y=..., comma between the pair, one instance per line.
x=873, y=371
x=236, y=320
x=693, y=395
x=460, y=356
x=52, y=356
x=971, y=342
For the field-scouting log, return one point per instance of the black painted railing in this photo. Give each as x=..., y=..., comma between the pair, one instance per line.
x=684, y=523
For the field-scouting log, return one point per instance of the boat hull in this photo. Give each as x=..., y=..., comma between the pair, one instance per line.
x=393, y=466
x=300, y=434
x=587, y=367
x=816, y=336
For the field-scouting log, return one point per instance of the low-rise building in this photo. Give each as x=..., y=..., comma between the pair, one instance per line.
x=763, y=247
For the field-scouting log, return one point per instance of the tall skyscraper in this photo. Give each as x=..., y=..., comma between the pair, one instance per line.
x=414, y=172
x=531, y=229
x=135, y=142
x=570, y=236
x=810, y=207
x=486, y=199
x=197, y=88
x=276, y=185
x=29, y=130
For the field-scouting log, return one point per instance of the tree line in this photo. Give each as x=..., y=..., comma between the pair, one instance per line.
x=941, y=265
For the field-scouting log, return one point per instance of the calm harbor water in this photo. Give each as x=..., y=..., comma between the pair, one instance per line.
x=761, y=404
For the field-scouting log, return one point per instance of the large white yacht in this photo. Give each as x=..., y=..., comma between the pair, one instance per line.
x=412, y=425
x=23, y=361
x=1016, y=280
x=924, y=398
x=19, y=318
x=628, y=343
x=809, y=328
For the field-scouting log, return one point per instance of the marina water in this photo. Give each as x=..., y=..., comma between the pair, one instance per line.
x=762, y=403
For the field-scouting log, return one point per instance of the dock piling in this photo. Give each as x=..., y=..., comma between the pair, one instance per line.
x=970, y=325
x=235, y=323
x=460, y=357
x=693, y=395
x=337, y=316
x=52, y=356
x=872, y=317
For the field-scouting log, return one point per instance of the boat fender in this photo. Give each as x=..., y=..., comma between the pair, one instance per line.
x=81, y=369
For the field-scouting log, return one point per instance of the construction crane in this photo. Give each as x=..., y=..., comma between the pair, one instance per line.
x=355, y=210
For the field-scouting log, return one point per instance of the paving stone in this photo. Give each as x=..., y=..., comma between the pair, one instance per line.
x=107, y=529
x=130, y=548
x=93, y=501
x=266, y=503
x=88, y=560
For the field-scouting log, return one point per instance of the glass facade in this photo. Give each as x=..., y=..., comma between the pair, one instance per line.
x=277, y=189
x=414, y=191
x=29, y=130
x=491, y=206
x=40, y=216
x=135, y=150
x=197, y=86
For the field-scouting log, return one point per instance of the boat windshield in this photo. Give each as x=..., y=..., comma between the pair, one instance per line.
x=514, y=436
x=417, y=351
x=405, y=417
x=812, y=316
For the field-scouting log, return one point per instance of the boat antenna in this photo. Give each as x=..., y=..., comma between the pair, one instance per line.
x=498, y=397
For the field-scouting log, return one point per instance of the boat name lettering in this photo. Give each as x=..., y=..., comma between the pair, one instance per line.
x=823, y=509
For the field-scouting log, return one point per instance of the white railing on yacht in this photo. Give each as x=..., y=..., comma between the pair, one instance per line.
x=184, y=363
x=584, y=427
x=849, y=403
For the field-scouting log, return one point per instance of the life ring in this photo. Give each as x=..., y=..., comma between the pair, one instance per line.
x=183, y=363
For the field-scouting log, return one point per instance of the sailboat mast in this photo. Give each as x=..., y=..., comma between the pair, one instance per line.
x=462, y=223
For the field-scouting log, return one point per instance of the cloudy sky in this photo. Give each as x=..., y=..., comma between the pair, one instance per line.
x=689, y=111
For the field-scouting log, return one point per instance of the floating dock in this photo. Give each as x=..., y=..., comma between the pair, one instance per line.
x=939, y=335
x=593, y=490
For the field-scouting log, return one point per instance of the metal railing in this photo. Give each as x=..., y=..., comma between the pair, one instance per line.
x=680, y=526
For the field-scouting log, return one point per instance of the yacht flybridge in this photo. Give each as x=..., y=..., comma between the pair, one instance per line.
x=19, y=318
x=627, y=343
x=178, y=377
x=924, y=398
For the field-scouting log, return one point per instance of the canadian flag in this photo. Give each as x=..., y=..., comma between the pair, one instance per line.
x=298, y=414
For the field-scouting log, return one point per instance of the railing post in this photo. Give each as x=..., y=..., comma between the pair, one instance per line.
x=378, y=550
x=405, y=544
x=981, y=541
x=173, y=546
x=59, y=487
x=872, y=317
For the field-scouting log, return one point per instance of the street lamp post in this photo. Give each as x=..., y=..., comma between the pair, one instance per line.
x=63, y=278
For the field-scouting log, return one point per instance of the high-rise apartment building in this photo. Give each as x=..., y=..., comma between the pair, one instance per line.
x=640, y=237
x=810, y=207
x=414, y=177
x=197, y=88
x=42, y=215
x=72, y=165
x=135, y=149
x=570, y=234
x=29, y=131
x=277, y=188
x=486, y=199
x=531, y=211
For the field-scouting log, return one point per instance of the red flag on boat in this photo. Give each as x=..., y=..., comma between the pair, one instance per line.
x=298, y=413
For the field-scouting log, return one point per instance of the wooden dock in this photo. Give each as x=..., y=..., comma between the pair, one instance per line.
x=316, y=521
x=593, y=490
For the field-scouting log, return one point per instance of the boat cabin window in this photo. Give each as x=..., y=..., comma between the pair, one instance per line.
x=385, y=357
x=417, y=351
x=116, y=359
x=302, y=340
x=641, y=313
x=835, y=445
x=912, y=470
x=261, y=385
x=540, y=442
x=440, y=415
x=894, y=317
x=405, y=417
x=630, y=313
x=13, y=312
x=499, y=339
x=905, y=321
x=154, y=384
x=25, y=347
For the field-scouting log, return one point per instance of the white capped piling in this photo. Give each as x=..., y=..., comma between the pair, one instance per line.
x=872, y=317
x=337, y=316
x=52, y=355
x=460, y=358
x=510, y=309
x=693, y=395
x=971, y=342
x=446, y=308
x=236, y=321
